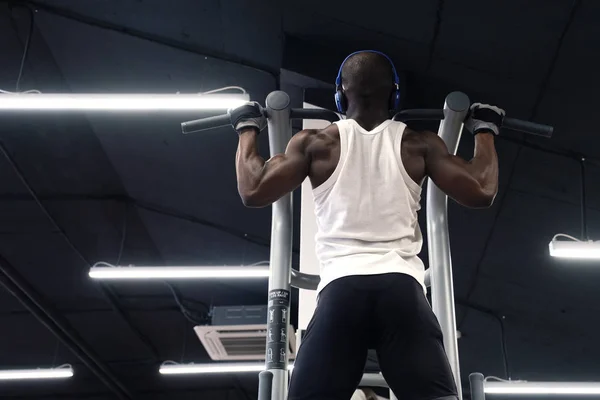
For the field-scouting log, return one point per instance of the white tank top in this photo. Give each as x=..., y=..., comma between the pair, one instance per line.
x=367, y=209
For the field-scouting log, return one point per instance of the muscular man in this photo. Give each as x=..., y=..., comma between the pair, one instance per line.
x=366, y=172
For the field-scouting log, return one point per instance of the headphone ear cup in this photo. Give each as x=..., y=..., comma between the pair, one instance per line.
x=340, y=101
x=395, y=100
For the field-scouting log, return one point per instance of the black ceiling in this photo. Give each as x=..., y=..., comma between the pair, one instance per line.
x=131, y=188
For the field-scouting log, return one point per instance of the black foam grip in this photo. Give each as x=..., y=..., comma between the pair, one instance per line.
x=528, y=127
x=205, y=123
x=265, y=385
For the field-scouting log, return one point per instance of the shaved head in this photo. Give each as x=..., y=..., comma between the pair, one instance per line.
x=368, y=74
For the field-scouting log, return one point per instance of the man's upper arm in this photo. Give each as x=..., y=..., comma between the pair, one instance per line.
x=284, y=172
x=450, y=173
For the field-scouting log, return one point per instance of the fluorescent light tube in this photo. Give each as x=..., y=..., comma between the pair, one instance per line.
x=198, y=272
x=212, y=368
x=39, y=373
x=575, y=249
x=121, y=102
x=542, y=388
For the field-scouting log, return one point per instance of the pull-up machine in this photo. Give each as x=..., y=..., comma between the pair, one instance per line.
x=273, y=382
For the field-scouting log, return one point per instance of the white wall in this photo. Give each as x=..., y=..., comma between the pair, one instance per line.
x=307, y=300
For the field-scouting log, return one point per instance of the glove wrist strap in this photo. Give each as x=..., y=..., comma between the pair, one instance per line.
x=481, y=126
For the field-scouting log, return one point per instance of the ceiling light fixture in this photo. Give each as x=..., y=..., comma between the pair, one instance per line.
x=171, y=368
x=542, y=388
x=65, y=371
x=106, y=271
x=120, y=102
x=576, y=248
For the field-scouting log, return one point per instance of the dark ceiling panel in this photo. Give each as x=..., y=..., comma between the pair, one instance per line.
x=509, y=38
x=572, y=115
x=183, y=242
x=50, y=266
x=578, y=64
x=107, y=335
x=23, y=218
x=68, y=157
x=173, y=334
x=26, y=343
x=547, y=175
x=195, y=23
x=9, y=304
x=139, y=66
x=328, y=30
x=401, y=20
x=515, y=96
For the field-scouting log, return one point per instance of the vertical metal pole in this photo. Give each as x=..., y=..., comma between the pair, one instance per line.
x=442, y=291
x=280, y=132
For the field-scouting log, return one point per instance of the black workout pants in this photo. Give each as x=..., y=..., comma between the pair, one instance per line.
x=387, y=312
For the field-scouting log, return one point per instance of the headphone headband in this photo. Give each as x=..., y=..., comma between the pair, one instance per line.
x=341, y=102
x=338, y=80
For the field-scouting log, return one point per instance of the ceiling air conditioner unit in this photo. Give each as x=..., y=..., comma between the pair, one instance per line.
x=235, y=334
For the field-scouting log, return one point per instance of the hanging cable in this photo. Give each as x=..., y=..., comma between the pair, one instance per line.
x=241, y=89
x=265, y=262
x=495, y=378
x=500, y=319
x=566, y=236
x=123, y=234
x=190, y=315
x=27, y=41
x=584, y=231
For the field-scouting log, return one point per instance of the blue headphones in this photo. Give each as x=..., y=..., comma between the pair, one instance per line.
x=340, y=99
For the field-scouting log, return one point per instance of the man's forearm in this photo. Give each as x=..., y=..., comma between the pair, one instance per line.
x=484, y=165
x=249, y=165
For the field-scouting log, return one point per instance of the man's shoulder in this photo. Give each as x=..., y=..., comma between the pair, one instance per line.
x=316, y=140
x=419, y=142
x=424, y=137
x=413, y=136
x=311, y=135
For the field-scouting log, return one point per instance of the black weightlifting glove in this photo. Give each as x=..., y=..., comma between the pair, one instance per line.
x=250, y=115
x=484, y=117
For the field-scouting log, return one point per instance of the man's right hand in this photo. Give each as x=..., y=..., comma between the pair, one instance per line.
x=484, y=118
x=471, y=183
x=250, y=115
